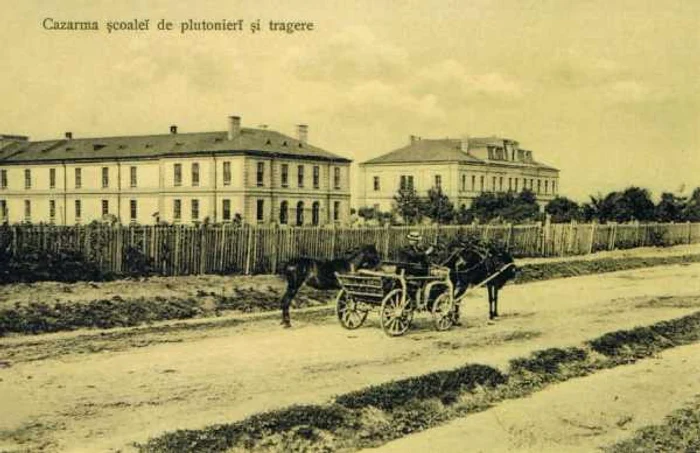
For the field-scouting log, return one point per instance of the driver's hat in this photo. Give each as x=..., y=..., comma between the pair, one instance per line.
x=414, y=236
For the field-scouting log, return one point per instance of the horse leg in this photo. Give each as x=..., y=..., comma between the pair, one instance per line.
x=491, y=301
x=293, y=286
x=495, y=302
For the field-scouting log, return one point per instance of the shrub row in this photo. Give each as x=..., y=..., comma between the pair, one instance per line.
x=39, y=317
x=546, y=271
x=388, y=411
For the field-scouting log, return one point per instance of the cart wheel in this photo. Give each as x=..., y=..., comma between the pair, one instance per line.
x=443, y=306
x=349, y=315
x=396, y=316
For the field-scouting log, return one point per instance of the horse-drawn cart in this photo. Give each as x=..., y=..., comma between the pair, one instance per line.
x=397, y=296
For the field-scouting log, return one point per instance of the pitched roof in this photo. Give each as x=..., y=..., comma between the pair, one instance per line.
x=426, y=150
x=450, y=150
x=249, y=141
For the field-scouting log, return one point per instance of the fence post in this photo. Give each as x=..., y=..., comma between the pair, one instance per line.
x=276, y=236
x=385, y=252
x=249, y=250
x=690, y=231
x=590, y=245
x=333, y=239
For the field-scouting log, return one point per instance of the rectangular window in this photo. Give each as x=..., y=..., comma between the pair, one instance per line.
x=105, y=207
x=226, y=209
x=500, y=184
x=133, y=177
x=464, y=183
x=3, y=179
x=3, y=209
x=227, y=173
x=493, y=183
x=105, y=177
x=554, y=187
x=133, y=210
x=177, y=210
x=377, y=186
x=316, y=176
x=336, y=211
x=336, y=177
x=402, y=184
x=27, y=179
x=78, y=210
x=52, y=178
x=259, y=211
x=438, y=182
x=516, y=184
x=177, y=174
x=481, y=184
x=539, y=186
x=406, y=182
x=300, y=176
x=27, y=210
x=52, y=210
x=546, y=186
x=195, y=174
x=285, y=175
x=473, y=183
x=260, y=174
x=195, y=209
x=78, y=178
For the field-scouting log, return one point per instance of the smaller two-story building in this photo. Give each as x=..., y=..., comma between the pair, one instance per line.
x=261, y=175
x=461, y=168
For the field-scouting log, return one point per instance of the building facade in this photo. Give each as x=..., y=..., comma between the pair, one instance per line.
x=461, y=168
x=261, y=175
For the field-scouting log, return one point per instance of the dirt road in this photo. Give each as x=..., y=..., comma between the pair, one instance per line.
x=105, y=401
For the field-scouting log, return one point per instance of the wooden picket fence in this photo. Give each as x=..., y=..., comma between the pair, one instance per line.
x=224, y=249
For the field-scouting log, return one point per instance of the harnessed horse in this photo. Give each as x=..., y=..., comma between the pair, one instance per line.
x=320, y=274
x=471, y=265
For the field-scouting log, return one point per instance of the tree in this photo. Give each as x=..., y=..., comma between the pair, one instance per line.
x=505, y=206
x=408, y=205
x=438, y=207
x=691, y=212
x=670, y=208
x=563, y=209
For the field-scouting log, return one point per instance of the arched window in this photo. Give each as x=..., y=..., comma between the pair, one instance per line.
x=300, y=213
x=284, y=212
x=315, y=207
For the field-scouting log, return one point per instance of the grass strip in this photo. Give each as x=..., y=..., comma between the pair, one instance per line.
x=378, y=414
x=679, y=432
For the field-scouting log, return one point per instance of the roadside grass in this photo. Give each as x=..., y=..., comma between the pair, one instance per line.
x=42, y=317
x=679, y=432
x=563, y=269
x=377, y=414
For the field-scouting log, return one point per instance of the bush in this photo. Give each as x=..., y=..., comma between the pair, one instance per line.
x=33, y=265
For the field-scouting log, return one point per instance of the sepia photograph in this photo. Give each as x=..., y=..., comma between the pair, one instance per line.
x=350, y=225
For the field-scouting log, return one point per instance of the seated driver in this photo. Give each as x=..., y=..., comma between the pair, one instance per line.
x=413, y=258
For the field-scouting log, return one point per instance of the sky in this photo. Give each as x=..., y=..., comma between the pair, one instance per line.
x=606, y=91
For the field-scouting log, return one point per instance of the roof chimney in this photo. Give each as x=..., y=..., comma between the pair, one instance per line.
x=234, y=126
x=173, y=129
x=464, y=144
x=69, y=136
x=302, y=132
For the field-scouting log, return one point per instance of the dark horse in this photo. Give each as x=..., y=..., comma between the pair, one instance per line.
x=471, y=264
x=320, y=274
